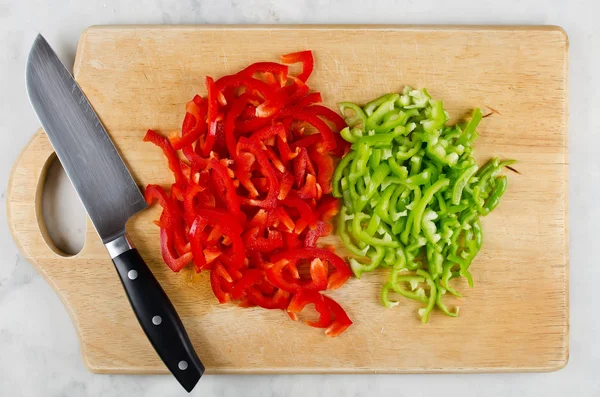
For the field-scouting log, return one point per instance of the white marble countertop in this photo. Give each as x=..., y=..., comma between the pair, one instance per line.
x=39, y=351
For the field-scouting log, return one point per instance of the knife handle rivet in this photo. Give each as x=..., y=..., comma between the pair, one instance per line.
x=132, y=274
x=182, y=365
x=156, y=320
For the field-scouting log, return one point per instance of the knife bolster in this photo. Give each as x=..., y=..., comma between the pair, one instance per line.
x=119, y=245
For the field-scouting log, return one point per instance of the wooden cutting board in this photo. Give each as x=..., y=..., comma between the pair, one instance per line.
x=514, y=319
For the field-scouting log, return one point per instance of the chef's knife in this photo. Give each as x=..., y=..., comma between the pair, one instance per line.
x=110, y=197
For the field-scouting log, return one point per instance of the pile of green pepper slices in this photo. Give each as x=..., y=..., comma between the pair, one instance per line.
x=413, y=194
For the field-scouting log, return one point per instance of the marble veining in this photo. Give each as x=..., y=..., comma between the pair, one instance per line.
x=39, y=350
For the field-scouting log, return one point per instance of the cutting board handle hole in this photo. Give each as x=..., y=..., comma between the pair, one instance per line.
x=62, y=212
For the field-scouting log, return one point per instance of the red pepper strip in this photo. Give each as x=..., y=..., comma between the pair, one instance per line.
x=307, y=60
x=219, y=285
x=285, y=153
x=309, y=190
x=169, y=153
x=306, y=213
x=269, y=133
x=286, y=183
x=329, y=115
x=300, y=163
x=295, y=91
x=189, y=209
x=197, y=249
x=266, y=169
x=254, y=240
x=318, y=274
x=280, y=216
x=245, y=302
x=309, y=99
x=229, y=226
x=304, y=114
x=275, y=160
x=211, y=254
x=194, y=123
x=321, y=229
x=275, y=69
x=305, y=297
x=172, y=260
x=272, y=101
x=291, y=241
x=270, y=79
x=328, y=208
x=221, y=177
x=211, y=117
x=252, y=124
x=340, y=322
x=154, y=193
x=250, y=278
x=342, y=270
x=306, y=141
x=325, y=168
x=222, y=272
x=243, y=172
x=279, y=300
x=239, y=105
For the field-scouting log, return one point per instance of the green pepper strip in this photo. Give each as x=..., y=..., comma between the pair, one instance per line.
x=359, y=268
x=363, y=236
x=339, y=172
x=385, y=300
x=346, y=240
x=358, y=119
x=414, y=281
x=440, y=304
x=446, y=276
x=427, y=196
x=371, y=106
x=424, y=312
x=461, y=182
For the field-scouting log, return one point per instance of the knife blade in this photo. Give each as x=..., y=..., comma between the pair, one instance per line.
x=110, y=196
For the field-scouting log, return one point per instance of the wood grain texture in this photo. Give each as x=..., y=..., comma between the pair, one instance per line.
x=516, y=316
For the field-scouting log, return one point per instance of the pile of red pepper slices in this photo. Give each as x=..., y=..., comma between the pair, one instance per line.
x=252, y=196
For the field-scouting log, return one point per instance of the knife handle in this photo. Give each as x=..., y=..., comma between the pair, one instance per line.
x=158, y=318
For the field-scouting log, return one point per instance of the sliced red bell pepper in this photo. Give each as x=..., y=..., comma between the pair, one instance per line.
x=249, y=157
x=328, y=208
x=329, y=115
x=250, y=278
x=278, y=300
x=273, y=68
x=304, y=114
x=306, y=297
x=222, y=177
x=340, y=322
x=266, y=169
x=194, y=124
x=176, y=263
x=286, y=182
x=239, y=105
x=306, y=214
x=336, y=279
x=219, y=285
x=211, y=117
x=318, y=276
x=321, y=229
x=304, y=57
x=272, y=101
x=169, y=153
x=309, y=190
x=253, y=240
x=310, y=99
x=325, y=168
